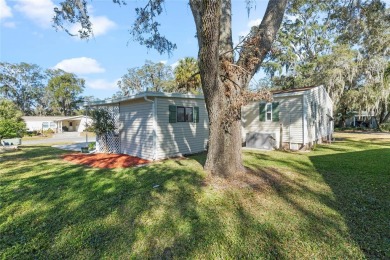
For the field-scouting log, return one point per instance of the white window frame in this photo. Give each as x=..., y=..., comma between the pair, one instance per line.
x=268, y=105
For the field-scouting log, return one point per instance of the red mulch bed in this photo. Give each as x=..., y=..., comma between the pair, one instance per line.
x=102, y=160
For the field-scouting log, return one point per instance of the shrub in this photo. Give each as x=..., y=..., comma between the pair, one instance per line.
x=48, y=131
x=385, y=127
x=65, y=128
x=89, y=128
x=11, y=122
x=92, y=146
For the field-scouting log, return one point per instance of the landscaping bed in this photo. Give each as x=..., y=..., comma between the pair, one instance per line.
x=107, y=161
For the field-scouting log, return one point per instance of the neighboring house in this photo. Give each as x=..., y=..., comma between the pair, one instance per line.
x=73, y=123
x=56, y=123
x=295, y=119
x=361, y=119
x=39, y=123
x=154, y=125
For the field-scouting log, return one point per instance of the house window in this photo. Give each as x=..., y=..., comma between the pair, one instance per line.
x=45, y=125
x=185, y=114
x=268, y=111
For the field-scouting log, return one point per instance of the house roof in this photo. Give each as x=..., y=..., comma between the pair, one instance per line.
x=70, y=118
x=293, y=90
x=144, y=95
x=49, y=118
x=280, y=93
x=41, y=118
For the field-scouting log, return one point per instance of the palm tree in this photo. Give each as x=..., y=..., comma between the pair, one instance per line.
x=187, y=75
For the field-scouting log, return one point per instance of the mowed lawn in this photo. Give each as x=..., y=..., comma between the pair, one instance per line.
x=333, y=202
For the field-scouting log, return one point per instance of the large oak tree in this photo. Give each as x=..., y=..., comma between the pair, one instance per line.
x=224, y=75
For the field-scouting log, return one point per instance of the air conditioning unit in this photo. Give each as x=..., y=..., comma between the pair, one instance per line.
x=260, y=140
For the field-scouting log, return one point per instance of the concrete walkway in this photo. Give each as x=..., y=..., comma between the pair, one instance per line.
x=70, y=147
x=68, y=137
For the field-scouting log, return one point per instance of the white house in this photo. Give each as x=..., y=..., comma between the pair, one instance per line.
x=361, y=119
x=295, y=119
x=57, y=123
x=73, y=123
x=155, y=125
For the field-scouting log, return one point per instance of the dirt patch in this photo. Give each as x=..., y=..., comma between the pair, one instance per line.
x=260, y=180
x=107, y=161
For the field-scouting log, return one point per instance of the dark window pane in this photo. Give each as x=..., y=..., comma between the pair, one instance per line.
x=269, y=116
x=189, y=116
x=269, y=107
x=180, y=114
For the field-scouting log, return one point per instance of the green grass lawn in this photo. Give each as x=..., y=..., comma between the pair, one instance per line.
x=333, y=202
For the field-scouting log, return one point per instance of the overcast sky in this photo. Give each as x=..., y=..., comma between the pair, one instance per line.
x=27, y=35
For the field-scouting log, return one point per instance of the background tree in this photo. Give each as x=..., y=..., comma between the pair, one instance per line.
x=65, y=89
x=157, y=76
x=225, y=77
x=132, y=82
x=150, y=77
x=304, y=36
x=11, y=122
x=22, y=83
x=187, y=76
x=339, y=44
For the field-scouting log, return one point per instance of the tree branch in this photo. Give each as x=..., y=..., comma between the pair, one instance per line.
x=256, y=47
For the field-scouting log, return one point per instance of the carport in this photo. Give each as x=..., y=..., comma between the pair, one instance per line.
x=73, y=123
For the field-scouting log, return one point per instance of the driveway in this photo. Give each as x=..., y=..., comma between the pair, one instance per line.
x=70, y=147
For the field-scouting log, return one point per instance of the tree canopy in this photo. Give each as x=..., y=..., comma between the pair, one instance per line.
x=38, y=92
x=187, y=75
x=65, y=89
x=150, y=77
x=22, y=83
x=343, y=46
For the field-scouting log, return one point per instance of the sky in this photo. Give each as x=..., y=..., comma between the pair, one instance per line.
x=27, y=35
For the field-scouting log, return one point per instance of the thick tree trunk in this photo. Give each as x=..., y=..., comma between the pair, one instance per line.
x=224, y=150
x=223, y=80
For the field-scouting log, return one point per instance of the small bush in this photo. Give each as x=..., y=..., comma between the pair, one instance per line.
x=48, y=131
x=385, y=127
x=92, y=146
x=32, y=133
x=89, y=128
x=65, y=128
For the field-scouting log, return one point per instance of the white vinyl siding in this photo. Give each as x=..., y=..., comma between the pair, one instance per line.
x=175, y=139
x=136, y=128
x=291, y=116
x=319, y=105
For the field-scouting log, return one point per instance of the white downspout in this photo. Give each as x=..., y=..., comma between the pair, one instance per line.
x=154, y=110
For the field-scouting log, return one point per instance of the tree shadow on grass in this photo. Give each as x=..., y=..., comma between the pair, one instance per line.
x=68, y=212
x=51, y=209
x=360, y=182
